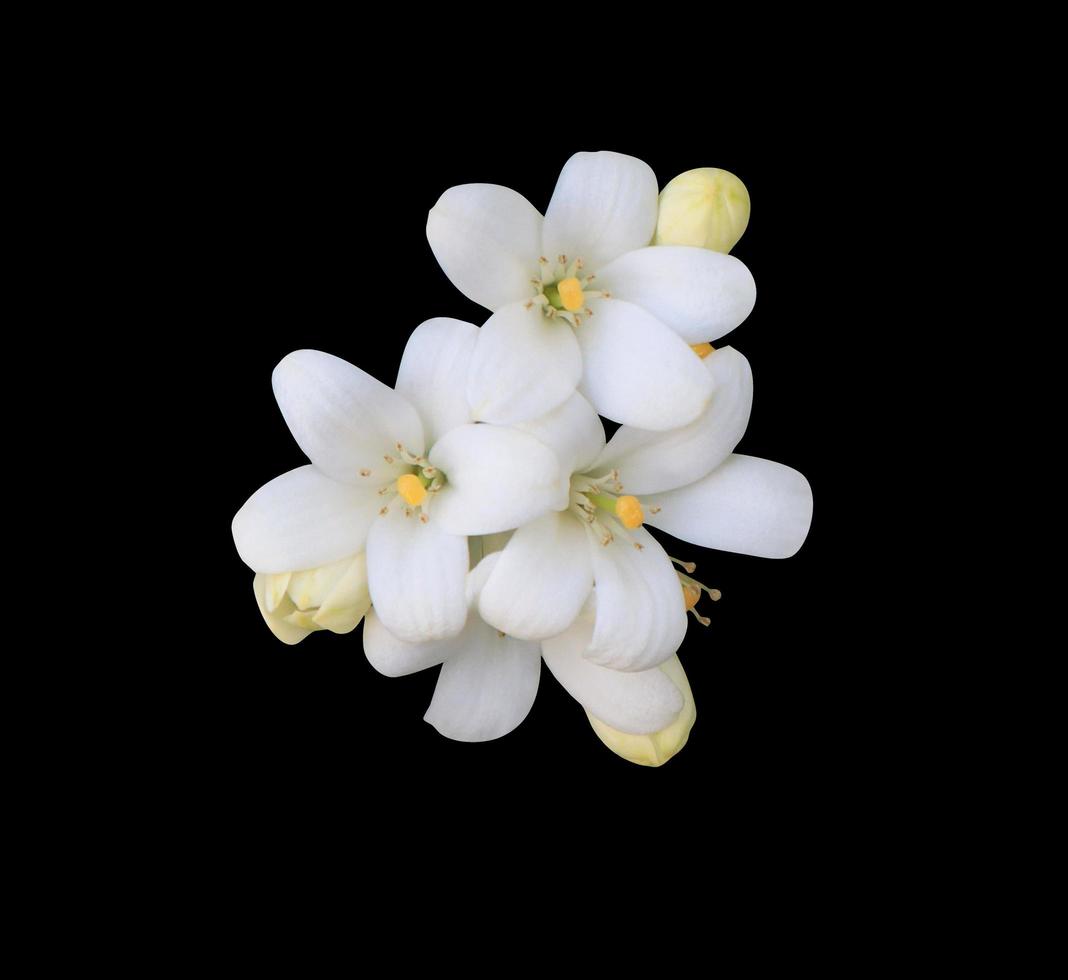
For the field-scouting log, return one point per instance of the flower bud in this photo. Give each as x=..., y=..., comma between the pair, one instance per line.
x=706, y=208
x=332, y=597
x=657, y=748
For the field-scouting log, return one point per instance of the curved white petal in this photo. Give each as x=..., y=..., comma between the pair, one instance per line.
x=433, y=374
x=481, y=570
x=655, y=748
x=275, y=618
x=604, y=204
x=303, y=519
x=487, y=239
x=638, y=371
x=524, y=365
x=416, y=574
x=700, y=294
x=541, y=580
x=495, y=479
x=748, y=505
x=348, y=601
x=487, y=688
x=641, y=616
x=344, y=420
x=395, y=658
x=573, y=431
x=651, y=462
x=636, y=702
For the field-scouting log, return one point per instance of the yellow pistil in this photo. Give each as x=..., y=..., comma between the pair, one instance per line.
x=411, y=488
x=702, y=350
x=629, y=512
x=690, y=595
x=570, y=291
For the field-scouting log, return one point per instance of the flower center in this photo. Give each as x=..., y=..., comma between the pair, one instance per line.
x=562, y=291
x=413, y=488
x=605, y=508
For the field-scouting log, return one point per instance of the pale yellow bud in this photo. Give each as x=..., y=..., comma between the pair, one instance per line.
x=333, y=597
x=706, y=208
x=657, y=748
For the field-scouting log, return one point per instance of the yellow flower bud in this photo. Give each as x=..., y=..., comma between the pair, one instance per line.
x=657, y=748
x=332, y=597
x=706, y=208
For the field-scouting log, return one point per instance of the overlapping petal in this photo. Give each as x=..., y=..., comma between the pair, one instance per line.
x=748, y=505
x=604, y=204
x=524, y=365
x=700, y=294
x=497, y=479
x=638, y=371
x=541, y=580
x=416, y=574
x=487, y=240
x=651, y=462
x=303, y=519
x=572, y=431
x=636, y=702
x=487, y=688
x=344, y=420
x=641, y=617
x=433, y=374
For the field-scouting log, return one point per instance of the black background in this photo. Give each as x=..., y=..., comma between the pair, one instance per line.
x=317, y=240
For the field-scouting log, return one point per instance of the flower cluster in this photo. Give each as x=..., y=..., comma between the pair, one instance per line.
x=474, y=515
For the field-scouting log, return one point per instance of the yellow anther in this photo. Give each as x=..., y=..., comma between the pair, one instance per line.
x=702, y=350
x=629, y=512
x=570, y=294
x=411, y=488
x=690, y=594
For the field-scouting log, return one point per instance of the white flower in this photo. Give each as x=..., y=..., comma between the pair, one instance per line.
x=690, y=484
x=579, y=299
x=488, y=681
x=401, y=474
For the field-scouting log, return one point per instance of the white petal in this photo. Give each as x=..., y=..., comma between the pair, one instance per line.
x=344, y=420
x=285, y=631
x=395, y=658
x=524, y=365
x=416, y=573
x=573, y=431
x=700, y=294
x=348, y=602
x=641, y=616
x=486, y=689
x=748, y=505
x=479, y=575
x=638, y=371
x=604, y=204
x=541, y=580
x=487, y=239
x=637, y=702
x=495, y=479
x=650, y=462
x=655, y=748
x=433, y=374
x=303, y=519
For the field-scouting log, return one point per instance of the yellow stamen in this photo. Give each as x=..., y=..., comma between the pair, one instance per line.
x=629, y=512
x=690, y=595
x=570, y=291
x=411, y=488
x=702, y=350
